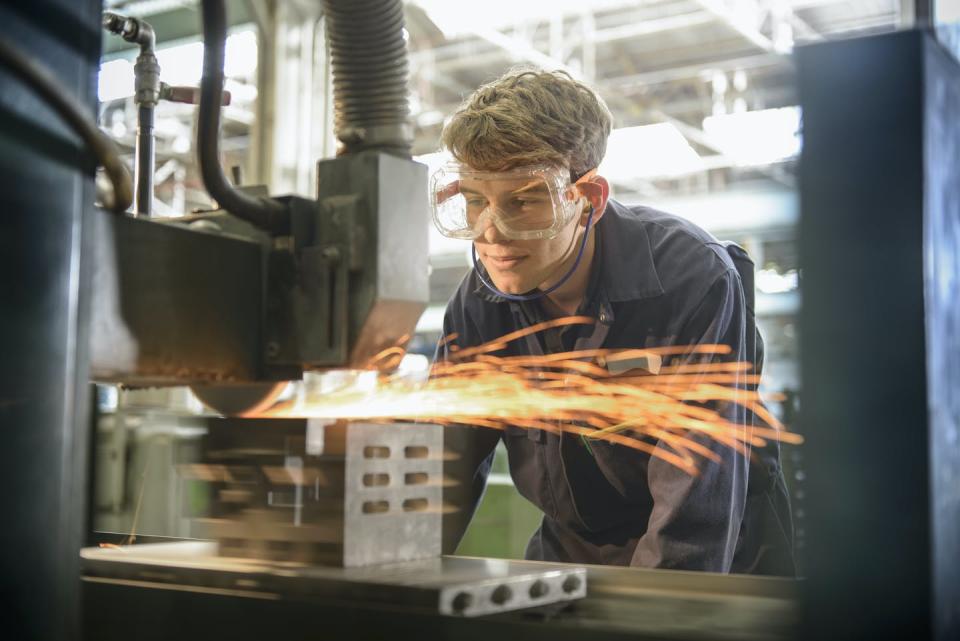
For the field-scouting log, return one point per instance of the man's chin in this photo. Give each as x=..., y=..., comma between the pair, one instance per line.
x=512, y=287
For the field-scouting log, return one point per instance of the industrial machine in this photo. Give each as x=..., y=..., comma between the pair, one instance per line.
x=236, y=302
x=332, y=529
x=297, y=285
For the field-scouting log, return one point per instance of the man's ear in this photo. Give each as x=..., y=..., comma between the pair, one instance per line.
x=596, y=190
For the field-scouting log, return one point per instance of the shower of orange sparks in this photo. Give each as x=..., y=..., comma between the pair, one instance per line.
x=666, y=413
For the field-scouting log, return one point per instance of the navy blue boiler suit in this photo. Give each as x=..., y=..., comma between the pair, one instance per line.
x=655, y=280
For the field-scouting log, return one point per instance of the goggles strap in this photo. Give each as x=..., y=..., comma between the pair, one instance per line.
x=539, y=294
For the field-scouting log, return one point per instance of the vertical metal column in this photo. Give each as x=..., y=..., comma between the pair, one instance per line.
x=879, y=240
x=941, y=159
x=46, y=188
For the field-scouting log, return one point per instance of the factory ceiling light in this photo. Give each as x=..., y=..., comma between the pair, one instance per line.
x=649, y=151
x=453, y=20
x=756, y=137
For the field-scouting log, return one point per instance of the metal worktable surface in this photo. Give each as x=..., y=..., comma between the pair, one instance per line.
x=164, y=592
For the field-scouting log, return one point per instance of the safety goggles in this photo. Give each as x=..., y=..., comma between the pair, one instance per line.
x=524, y=204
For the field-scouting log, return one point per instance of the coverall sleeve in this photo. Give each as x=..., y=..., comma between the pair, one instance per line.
x=695, y=521
x=468, y=455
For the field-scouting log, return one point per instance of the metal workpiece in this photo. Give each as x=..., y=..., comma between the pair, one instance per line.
x=445, y=586
x=343, y=494
x=445, y=597
x=392, y=492
x=508, y=588
x=671, y=604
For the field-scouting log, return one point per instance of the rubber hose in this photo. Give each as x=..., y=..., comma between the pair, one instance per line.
x=45, y=85
x=265, y=213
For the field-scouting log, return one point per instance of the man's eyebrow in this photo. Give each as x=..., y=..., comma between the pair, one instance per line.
x=535, y=186
x=467, y=190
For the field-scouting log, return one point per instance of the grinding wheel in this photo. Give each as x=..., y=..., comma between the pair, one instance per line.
x=241, y=399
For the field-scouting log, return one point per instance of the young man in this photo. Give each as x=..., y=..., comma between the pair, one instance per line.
x=549, y=242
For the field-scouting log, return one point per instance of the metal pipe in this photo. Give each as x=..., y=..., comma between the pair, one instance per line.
x=265, y=213
x=146, y=72
x=146, y=160
x=42, y=82
x=131, y=29
x=147, y=86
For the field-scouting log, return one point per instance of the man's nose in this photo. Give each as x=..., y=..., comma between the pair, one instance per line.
x=491, y=234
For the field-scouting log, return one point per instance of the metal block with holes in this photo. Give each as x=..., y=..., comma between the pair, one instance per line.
x=341, y=494
x=392, y=492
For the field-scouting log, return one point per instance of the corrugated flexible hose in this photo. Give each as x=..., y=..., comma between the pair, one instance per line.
x=369, y=59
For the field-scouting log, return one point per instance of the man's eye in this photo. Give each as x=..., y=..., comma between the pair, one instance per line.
x=527, y=202
x=476, y=202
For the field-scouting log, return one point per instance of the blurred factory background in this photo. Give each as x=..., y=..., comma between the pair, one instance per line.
x=707, y=126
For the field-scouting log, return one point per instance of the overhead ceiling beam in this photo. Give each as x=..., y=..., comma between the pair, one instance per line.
x=454, y=55
x=803, y=29
x=728, y=16
x=521, y=50
x=672, y=74
x=616, y=89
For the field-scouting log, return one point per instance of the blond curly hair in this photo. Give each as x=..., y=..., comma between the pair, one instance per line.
x=528, y=117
